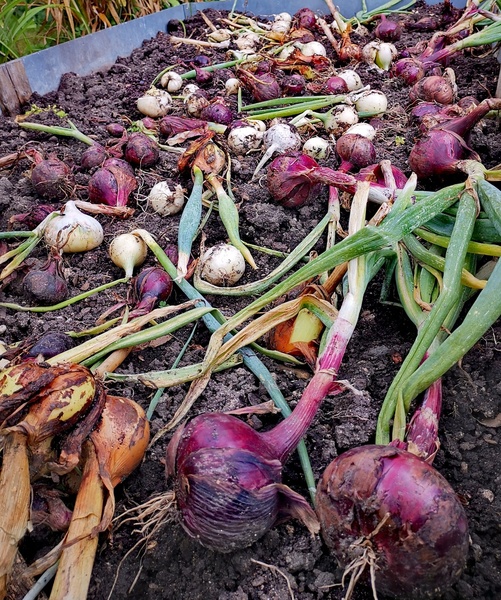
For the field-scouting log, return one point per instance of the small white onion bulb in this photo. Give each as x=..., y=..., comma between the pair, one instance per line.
x=282, y=23
x=171, y=81
x=379, y=55
x=312, y=49
x=220, y=35
x=247, y=40
x=128, y=251
x=372, y=101
x=232, y=85
x=340, y=118
x=73, y=231
x=155, y=103
x=364, y=129
x=165, y=201
x=222, y=265
x=352, y=79
x=241, y=140
x=316, y=147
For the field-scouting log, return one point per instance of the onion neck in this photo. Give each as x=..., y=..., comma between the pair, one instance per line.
x=463, y=125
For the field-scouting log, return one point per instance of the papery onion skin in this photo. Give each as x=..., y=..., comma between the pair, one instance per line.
x=113, y=183
x=422, y=544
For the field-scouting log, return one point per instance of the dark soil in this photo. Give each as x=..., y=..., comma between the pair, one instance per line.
x=287, y=562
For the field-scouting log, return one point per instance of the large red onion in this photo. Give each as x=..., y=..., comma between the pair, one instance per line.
x=439, y=153
x=113, y=183
x=217, y=111
x=433, y=88
x=388, y=30
x=391, y=511
x=262, y=86
x=228, y=476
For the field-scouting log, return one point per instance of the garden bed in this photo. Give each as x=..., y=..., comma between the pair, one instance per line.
x=287, y=562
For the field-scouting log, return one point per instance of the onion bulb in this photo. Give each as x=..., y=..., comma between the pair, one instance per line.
x=311, y=49
x=232, y=85
x=372, y=101
x=73, y=231
x=280, y=138
x=282, y=23
x=222, y=265
x=128, y=251
x=397, y=517
x=365, y=129
x=242, y=140
x=154, y=103
x=165, y=201
x=316, y=147
x=339, y=118
x=352, y=79
x=171, y=81
x=379, y=55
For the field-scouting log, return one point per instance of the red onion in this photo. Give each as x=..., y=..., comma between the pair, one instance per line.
x=202, y=77
x=439, y=154
x=293, y=180
x=228, y=477
x=152, y=285
x=305, y=18
x=48, y=508
x=141, y=150
x=47, y=285
x=262, y=87
x=293, y=85
x=217, y=111
x=355, y=151
x=171, y=125
x=433, y=88
x=424, y=109
x=383, y=174
x=335, y=85
x=387, y=30
x=410, y=70
x=201, y=60
x=424, y=24
x=34, y=217
x=115, y=129
x=397, y=516
x=50, y=344
x=113, y=183
x=51, y=177
x=93, y=156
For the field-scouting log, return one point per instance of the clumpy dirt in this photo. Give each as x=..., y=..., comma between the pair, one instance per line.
x=287, y=562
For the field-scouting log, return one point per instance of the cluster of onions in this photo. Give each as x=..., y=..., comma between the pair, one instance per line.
x=442, y=151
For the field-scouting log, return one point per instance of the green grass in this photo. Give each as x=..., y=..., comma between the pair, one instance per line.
x=29, y=26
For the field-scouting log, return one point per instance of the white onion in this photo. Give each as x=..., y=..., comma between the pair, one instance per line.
x=232, y=85
x=282, y=23
x=222, y=265
x=340, y=118
x=379, y=55
x=165, y=201
x=190, y=88
x=127, y=251
x=352, y=79
x=195, y=103
x=257, y=124
x=171, y=81
x=241, y=140
x=247, y=40
x=73, y=231
x=372, y=101
x=316, y=147
x=155, y=103
x=364, y=129
x=280, y=138
x=312, y=49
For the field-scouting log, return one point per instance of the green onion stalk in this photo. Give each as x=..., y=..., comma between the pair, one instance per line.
x=417, y=374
